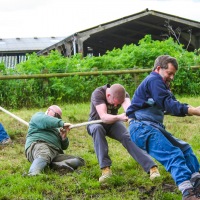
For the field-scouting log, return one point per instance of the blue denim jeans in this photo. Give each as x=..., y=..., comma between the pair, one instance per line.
x=181, y=164
x=3, y=133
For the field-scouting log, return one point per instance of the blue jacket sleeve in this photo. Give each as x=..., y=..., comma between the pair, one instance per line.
x=165, y=99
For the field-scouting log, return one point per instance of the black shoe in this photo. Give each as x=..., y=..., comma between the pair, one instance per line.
x=73, y=161
x=61, y=166
x=189, y=194
x=196, y=184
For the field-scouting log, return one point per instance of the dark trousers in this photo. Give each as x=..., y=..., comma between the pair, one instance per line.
x=118, y=132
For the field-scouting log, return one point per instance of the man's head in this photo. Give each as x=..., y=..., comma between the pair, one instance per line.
x=54, y=111
x=116, y=94
x=166, y=66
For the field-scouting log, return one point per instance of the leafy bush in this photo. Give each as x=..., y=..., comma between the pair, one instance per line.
x=42, y=92
x=2, y=67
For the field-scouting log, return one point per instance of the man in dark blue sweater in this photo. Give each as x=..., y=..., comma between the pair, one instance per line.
x=146, y=113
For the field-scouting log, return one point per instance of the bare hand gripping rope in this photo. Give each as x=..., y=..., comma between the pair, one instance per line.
x=70, y=127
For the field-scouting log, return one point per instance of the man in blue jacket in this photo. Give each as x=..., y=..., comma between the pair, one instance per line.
x=146, y=113
x=46, y=140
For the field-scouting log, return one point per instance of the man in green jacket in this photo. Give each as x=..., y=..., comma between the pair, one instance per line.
x=45, y=141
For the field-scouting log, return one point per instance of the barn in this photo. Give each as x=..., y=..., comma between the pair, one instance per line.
x=97, y=40
x=130, y=29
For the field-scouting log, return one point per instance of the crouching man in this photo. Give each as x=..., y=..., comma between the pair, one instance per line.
x=45, y=141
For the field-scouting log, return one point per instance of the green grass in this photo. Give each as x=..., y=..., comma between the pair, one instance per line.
x=128, y=182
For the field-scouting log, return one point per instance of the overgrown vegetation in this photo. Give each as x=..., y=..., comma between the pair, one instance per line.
x=42, y=92
x=128, y=182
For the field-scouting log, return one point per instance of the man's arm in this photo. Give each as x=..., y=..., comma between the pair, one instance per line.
x=194, y=110
x=126, y=104
x=42, y=121
x=108, y=118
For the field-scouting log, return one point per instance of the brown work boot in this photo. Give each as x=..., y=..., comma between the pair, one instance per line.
x=154, y=172
x=106, y=173
x=189, y=194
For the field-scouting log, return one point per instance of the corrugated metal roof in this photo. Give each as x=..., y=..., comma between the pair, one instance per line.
x=27, y=44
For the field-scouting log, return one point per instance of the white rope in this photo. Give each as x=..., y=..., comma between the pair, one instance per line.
x=17, y=118
x=70, y=127
x=85, y=123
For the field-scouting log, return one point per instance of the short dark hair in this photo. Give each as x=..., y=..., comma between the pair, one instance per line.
x=118, y=91
x=163, y=61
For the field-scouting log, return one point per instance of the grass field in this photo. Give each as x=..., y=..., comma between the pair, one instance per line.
x=128, y=182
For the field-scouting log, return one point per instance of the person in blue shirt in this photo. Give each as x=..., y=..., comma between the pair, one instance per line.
x=151, y=100
x=4, y=137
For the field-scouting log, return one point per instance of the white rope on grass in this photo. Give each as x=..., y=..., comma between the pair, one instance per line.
x=14, y=116
x=70, y=127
